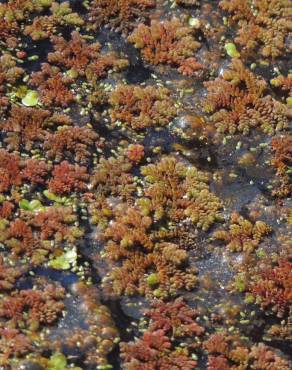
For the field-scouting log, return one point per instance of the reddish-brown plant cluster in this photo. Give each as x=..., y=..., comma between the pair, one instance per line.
x=18, y=10
x=6, y=209
x=86, y=59
x=130, y=229
x=73, y=54
x=119, y=14
x=142, y=107
x=44, y=26
x=156, y=349
x=13, y=13
x=106, y=63
x=99, y=209
x=8, y=30
x=10, y=173
x=135, y=152
x=113, y=176
x=172, y=192
x=35, y=171
x=238, y=103
x=24, y=127
x=9, y=73
x=72, y=160
x=18, y=237
x=13, y=344
x=68, y=178
x=265, y=358
x=178, y=192
x=242, y=234
x=33, y=235
x=168, y=42
x=222, y=349
x=284, y=83
x=282, y=148
x=226, y=352
x=8, y=275
x=71, y=143
x=282, y=331
x=57, y=223
x=41, y=28
x=53, y=86
x=175, y=318
x=283, y=153
x=33, y=307
x=57, y=121
x=271, y=286
x=187, y=2
x=262, y=25
x=150, y=269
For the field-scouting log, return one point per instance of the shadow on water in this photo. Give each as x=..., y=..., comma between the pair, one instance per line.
x=77, y=6
x=137, y=74
x=40, y=49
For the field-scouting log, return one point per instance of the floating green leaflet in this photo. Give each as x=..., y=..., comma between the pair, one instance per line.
x=65, y=261
x=34, y=205
x=231, y=50
x=152, y=280
x=55, y=198
x=31, y=99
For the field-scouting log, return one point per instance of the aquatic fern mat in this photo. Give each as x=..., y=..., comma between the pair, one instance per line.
x=145, y=185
